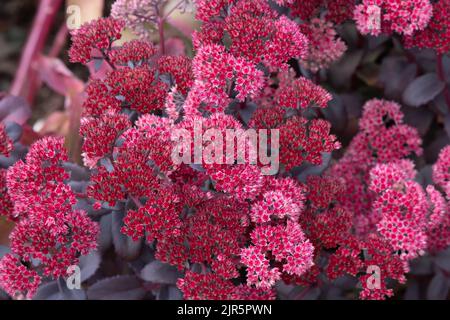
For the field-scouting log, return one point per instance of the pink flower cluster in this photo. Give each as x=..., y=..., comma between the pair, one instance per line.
x=372, y=188
x=441, y=170
x=404, y=17
x=232, y=231
x=130, y=154
x=6, y=144
x=336, y=11
x=49, y=234
x=91, y=40
x=383, y=138
x=324, y=45
x=215, y=71
x=437, y=34
x=255, y=31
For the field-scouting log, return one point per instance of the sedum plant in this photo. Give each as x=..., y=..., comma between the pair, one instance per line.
x=140, y=225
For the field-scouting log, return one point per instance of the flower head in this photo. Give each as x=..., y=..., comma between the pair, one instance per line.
x=94, y=38
x=6, y=144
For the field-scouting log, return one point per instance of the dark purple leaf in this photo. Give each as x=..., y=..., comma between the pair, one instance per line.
x=412, y=291
x=447, y=124
x=159, y=272
x=336, y=113
x=349, y=33
x=422, y=90
x=442, y=260
x=14, y=131
x=3, y=295
x=342, y=72
x=105, y=239
x=306, y=170
x=395, y=75
x=353, y=104
x=147, y=255
x=446, y=65
x=89, y=264
x=440, y=103
x=424, y=177
x=3, y=250
x=18, y=152
x=124, y=245
x=70, y=294
x=438, y=287
x=426, y=59
x=421, y=266
x=431, y=151
x=169, y=293
x=58, y=290
x=117, y=288
x=376, y=41
x=335, y=293
x=77, y=173
x=48, y=291
x=78, y=186
x=285, y=291
x=420, y=118
x=247, y=112
x=14, y=109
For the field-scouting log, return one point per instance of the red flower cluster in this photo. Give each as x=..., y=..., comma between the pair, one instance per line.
x=6, y=205
x=336, y=11
x=135, y=52
x=441, y=170
x=49, y=235
x=255, y=31
x=232, y=231
x=372, y=188
x=401, y=16
x=301, y=93
x=324, y=45
x=6, y=144
x=382, y=138
x=94, y=39
x=211, y=287
x=215, y=72
x=437, y=34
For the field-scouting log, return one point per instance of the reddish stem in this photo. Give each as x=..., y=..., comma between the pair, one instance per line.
x=35, y=43
x=162, y=45
x=175, y=7
x=58, y=44
x=60, y=41
x=440, y=72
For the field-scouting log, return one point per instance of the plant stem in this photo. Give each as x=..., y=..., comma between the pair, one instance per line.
x=58, y=44
x=173, y=9
x=441, y=75
x=39, y=32
x=161, y=36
